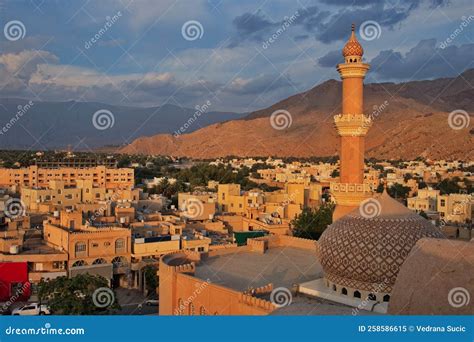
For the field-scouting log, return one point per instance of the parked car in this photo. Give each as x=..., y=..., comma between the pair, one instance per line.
x=152, y=302
x=32, y=309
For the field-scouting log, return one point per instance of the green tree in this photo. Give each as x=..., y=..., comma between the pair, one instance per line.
x=399, y=191
x=151, y=278
x=83, y=294
x=311, y=223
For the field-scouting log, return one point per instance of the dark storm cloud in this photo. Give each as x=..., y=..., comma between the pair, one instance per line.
x=426, y=60
x=250, y=27
x=329, y=26
x=331, y=59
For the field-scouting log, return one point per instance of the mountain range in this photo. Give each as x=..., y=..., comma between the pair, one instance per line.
x=411, y=119
x=56, y=125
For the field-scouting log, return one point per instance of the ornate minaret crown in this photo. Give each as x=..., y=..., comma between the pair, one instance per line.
x=352, y=126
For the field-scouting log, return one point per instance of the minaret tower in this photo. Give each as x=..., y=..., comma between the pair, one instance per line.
x=352, y=126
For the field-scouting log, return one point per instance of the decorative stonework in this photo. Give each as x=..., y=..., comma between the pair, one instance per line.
x=353, y=69
x=353, y=125
x=349, y=194
x=367, y=253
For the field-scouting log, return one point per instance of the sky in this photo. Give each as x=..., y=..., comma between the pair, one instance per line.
x=241, y=55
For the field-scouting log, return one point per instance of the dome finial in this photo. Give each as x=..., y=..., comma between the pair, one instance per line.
x=353, y=47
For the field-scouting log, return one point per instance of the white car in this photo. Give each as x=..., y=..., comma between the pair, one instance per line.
x=152, y=302
x=32, y=309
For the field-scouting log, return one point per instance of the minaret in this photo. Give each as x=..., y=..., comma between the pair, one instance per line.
x=352, y=126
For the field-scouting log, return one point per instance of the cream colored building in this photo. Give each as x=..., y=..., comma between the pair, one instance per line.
x=456, y=208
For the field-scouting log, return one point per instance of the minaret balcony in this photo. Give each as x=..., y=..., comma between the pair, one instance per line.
x=350, y=194
x=352, y=125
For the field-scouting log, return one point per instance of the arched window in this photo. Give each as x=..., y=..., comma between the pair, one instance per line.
x=99, y=262
x=180, y=308
x=371, y=296
x=79, y=263
x=216, y=313
x=356, y=294
x=80, y=248
x=191, y=309
x=334, y=288
x=119, y=261
x=344, y=291
x=119, y=245
x=386, y=298
x=202, y=311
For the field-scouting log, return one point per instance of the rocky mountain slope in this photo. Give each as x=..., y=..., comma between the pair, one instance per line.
x=410, y=120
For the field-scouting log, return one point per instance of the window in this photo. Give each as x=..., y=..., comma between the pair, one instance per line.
x=191, y=309
x=80, y=247
x=99, y=262
x=386, y=298
x=79, y=263
x=202, y=311
x=344, y=291
x=95, y=245
x=119, y=245
x=356, y=294
x=371, y=296
x=200, y=249
x=442, y=202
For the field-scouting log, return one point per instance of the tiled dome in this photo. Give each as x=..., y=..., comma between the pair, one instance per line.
x=353, y=47
x=365, y=251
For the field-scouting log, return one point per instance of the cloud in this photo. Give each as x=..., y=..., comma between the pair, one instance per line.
x=331, y=59
x=425, y=60
x=251, y=27
x=257, y=85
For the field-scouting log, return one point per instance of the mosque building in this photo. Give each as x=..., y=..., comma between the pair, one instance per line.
x=376, y=256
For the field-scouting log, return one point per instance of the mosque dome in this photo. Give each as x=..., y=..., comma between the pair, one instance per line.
x=364, y=250
x=353, y=47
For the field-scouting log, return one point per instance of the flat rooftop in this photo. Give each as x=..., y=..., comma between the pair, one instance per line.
x=282, y=266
